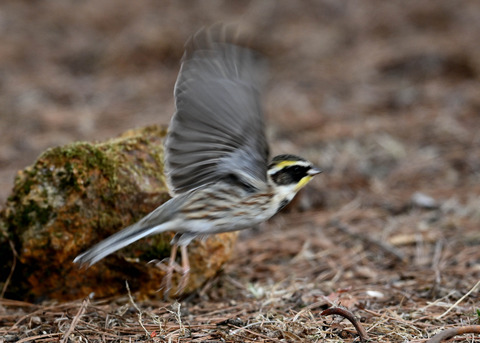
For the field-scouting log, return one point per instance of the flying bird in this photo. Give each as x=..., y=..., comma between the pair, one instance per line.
x=216, y=154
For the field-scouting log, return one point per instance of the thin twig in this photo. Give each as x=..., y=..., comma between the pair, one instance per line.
x=397, y=319
x=140, y=320
x=75, y=320
x=459, y=300
x=450, y=333
x=176, y=306
x=12, y=269
x=350, y=316
x=34, y=338
x=235, y=332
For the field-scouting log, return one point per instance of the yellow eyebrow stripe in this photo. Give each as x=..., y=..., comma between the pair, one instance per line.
x=285, y=164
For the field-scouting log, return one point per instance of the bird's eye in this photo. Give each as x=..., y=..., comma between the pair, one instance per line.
x=296, y=169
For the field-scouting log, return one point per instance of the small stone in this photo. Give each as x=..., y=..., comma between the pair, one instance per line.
x=422, y=200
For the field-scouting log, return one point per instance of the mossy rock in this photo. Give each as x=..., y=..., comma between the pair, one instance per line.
x=78, y=194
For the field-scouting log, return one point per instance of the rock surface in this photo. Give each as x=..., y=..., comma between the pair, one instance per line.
x=76, y=195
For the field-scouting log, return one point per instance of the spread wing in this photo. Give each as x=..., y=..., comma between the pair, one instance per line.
x=218, y=127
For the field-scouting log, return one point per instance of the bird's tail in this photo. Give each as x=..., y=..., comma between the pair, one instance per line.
x=155, y=222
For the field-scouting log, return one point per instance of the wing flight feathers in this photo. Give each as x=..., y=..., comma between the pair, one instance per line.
x=218, y=126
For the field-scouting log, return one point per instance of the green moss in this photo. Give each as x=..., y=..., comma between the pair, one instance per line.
x=73, y=163
x=67, y=178
x=27, y=186
x=33, y=214
x=160, y=249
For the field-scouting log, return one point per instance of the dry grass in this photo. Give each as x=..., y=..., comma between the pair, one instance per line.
x=382, y=95
x=433, y=288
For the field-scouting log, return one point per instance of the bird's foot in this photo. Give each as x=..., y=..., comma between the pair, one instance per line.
x=169, y=268
x=165, y=265
x=172, y=267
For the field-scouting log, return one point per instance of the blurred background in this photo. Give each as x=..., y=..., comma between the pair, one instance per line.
x=384, y=95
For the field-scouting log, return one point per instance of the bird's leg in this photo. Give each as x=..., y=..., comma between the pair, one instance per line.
x=185, y=270
x=167, y=284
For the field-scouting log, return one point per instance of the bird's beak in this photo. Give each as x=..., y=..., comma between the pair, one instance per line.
x=314, y=171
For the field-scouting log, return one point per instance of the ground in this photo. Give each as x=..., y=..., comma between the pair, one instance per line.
x=383, y=96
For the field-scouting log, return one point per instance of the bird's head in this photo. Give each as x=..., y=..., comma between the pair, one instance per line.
x=292, y=172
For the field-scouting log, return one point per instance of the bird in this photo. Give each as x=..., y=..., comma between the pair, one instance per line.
x=216, y=154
